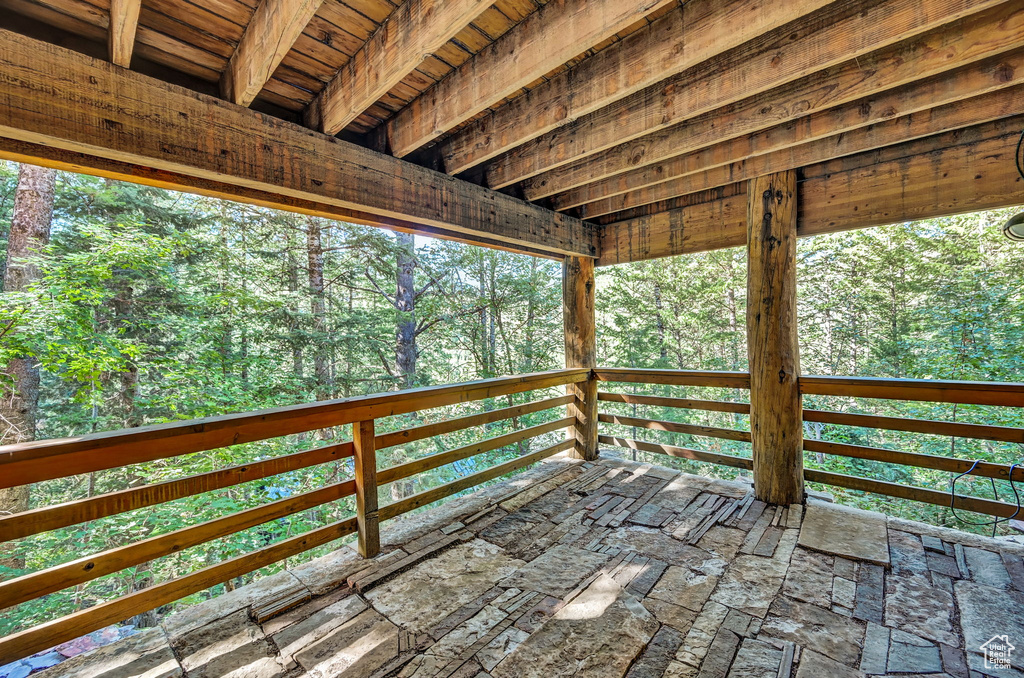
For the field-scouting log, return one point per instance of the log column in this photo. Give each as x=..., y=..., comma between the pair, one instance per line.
x=581, y=350
x=363, y=443
x=772, y=346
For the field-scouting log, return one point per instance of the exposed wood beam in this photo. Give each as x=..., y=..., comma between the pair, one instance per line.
x=773, y=350
x=273, y=29
x=80, y=163
x=822, y=63
x=551, y=36
x=961, y=171
x=968, y=96
x=415, y=30
x=124, y=20
x=53, y=97
x=686, y=36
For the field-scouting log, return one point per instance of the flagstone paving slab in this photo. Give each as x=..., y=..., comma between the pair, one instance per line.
x=845, y=531
x=587, y=569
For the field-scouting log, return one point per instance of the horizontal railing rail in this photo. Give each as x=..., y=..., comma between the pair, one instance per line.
x=961, y=392
x=47, y=460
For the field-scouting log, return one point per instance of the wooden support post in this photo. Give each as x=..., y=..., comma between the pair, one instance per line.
x=772, y=345
x=366, y=488
x=581, y=350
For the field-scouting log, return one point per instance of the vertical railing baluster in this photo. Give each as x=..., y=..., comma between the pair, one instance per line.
x=366, y=488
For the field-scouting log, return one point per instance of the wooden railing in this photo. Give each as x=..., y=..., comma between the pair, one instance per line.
x=973, y=393
x=50, y=459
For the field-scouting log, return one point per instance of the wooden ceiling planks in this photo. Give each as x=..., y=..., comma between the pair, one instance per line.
x=646, y=127
x=619, y=112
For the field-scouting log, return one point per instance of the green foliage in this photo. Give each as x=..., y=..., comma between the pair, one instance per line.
x=153, y=306
x=938, y=299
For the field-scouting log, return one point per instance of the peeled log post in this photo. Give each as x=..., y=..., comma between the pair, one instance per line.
x=581, y=350
x=772, y=345
x=365, y=455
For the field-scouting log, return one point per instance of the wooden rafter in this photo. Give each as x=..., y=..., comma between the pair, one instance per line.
x=686, y=36
x=814, y=53
x=174, y=130
x=124, y=21
x=970, y=95
x=546, y=39
x=274, y=28
x=415, y=30
x=961, y=171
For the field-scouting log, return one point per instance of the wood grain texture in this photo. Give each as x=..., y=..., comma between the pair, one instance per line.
x=966, y=170
x=415, y=30
x=430, y=496
x=124, y=21
x=365, y=455
x=29, y=641
x=683, y=403
x=773, y=350
x=580, y=322
x=966, y=96
x=783, y=79
x=713, y=379
x=30, y=586
x=686, y=36
x=930, y=461
x=21, y=151
x=976, y=504
x=55, y=97
x=711, y=225
x=32, y=462
x=546, y=39
x=47, y=518
x=269, y=36
x=1001, y=394
x=940, y=428
x=439, y=459
x=680, y=452
x=675, y=427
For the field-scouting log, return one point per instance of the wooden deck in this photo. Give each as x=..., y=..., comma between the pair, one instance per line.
x=609, y=569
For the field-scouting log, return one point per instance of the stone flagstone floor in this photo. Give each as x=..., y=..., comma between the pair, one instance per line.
x=610, y=569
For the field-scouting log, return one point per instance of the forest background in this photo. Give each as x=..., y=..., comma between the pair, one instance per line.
x=125, y=306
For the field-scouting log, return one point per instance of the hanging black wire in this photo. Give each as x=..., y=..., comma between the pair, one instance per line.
x=986, y=523
x=1018, y=157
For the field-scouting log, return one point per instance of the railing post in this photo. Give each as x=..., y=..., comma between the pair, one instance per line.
x=772, y=346
x=581, y=350
x=366, y=488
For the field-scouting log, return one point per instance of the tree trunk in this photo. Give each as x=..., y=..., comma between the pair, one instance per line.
x=315, y=249
x=30, y=231
x=406, y=351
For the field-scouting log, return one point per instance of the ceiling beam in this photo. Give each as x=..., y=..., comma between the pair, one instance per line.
x=273, y=29
x=415, y=30
x=556, y=33
x=686, y=36
x=811, y=51
x=53, y=97
x=966, y=96
x=124, y=21
x=966, y=170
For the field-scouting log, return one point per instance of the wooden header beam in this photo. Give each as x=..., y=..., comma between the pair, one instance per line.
x=961, y=171
x=50, y=96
